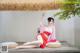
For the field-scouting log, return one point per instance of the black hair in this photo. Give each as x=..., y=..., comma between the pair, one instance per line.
x=38, y=31
x=50, y=18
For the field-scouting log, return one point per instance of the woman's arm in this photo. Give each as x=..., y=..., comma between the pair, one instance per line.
x=41, y=23
x=54, y=32
x=41, y=26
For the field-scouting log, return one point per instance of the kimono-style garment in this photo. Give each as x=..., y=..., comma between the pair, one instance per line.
x=47, y=34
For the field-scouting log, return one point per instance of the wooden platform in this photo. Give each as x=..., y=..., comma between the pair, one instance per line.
x=66, y=48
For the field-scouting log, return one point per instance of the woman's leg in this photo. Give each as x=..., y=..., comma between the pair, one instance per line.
x=32, y=44
x=38, y=41
x=54, y=44
x=28, y=46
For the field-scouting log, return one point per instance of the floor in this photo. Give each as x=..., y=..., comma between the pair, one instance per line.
x=66, y=48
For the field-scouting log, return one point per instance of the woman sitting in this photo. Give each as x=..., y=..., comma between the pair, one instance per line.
x=46, y=36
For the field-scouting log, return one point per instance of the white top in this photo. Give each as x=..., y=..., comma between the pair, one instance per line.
x=50, y=29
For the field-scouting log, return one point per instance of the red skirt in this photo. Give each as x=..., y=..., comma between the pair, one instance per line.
x=44, y=36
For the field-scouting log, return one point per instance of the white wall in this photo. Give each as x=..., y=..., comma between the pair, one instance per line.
x=18, y=26
x=22, y=25
x=77, y=31
x=66, y=30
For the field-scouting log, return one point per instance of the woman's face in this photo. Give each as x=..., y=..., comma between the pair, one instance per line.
x=51, y=22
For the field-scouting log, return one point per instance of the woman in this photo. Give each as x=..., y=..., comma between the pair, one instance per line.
x=50, y=29
x=45, y=37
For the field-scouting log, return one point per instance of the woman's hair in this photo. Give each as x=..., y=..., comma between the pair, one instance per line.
x=50, y=18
